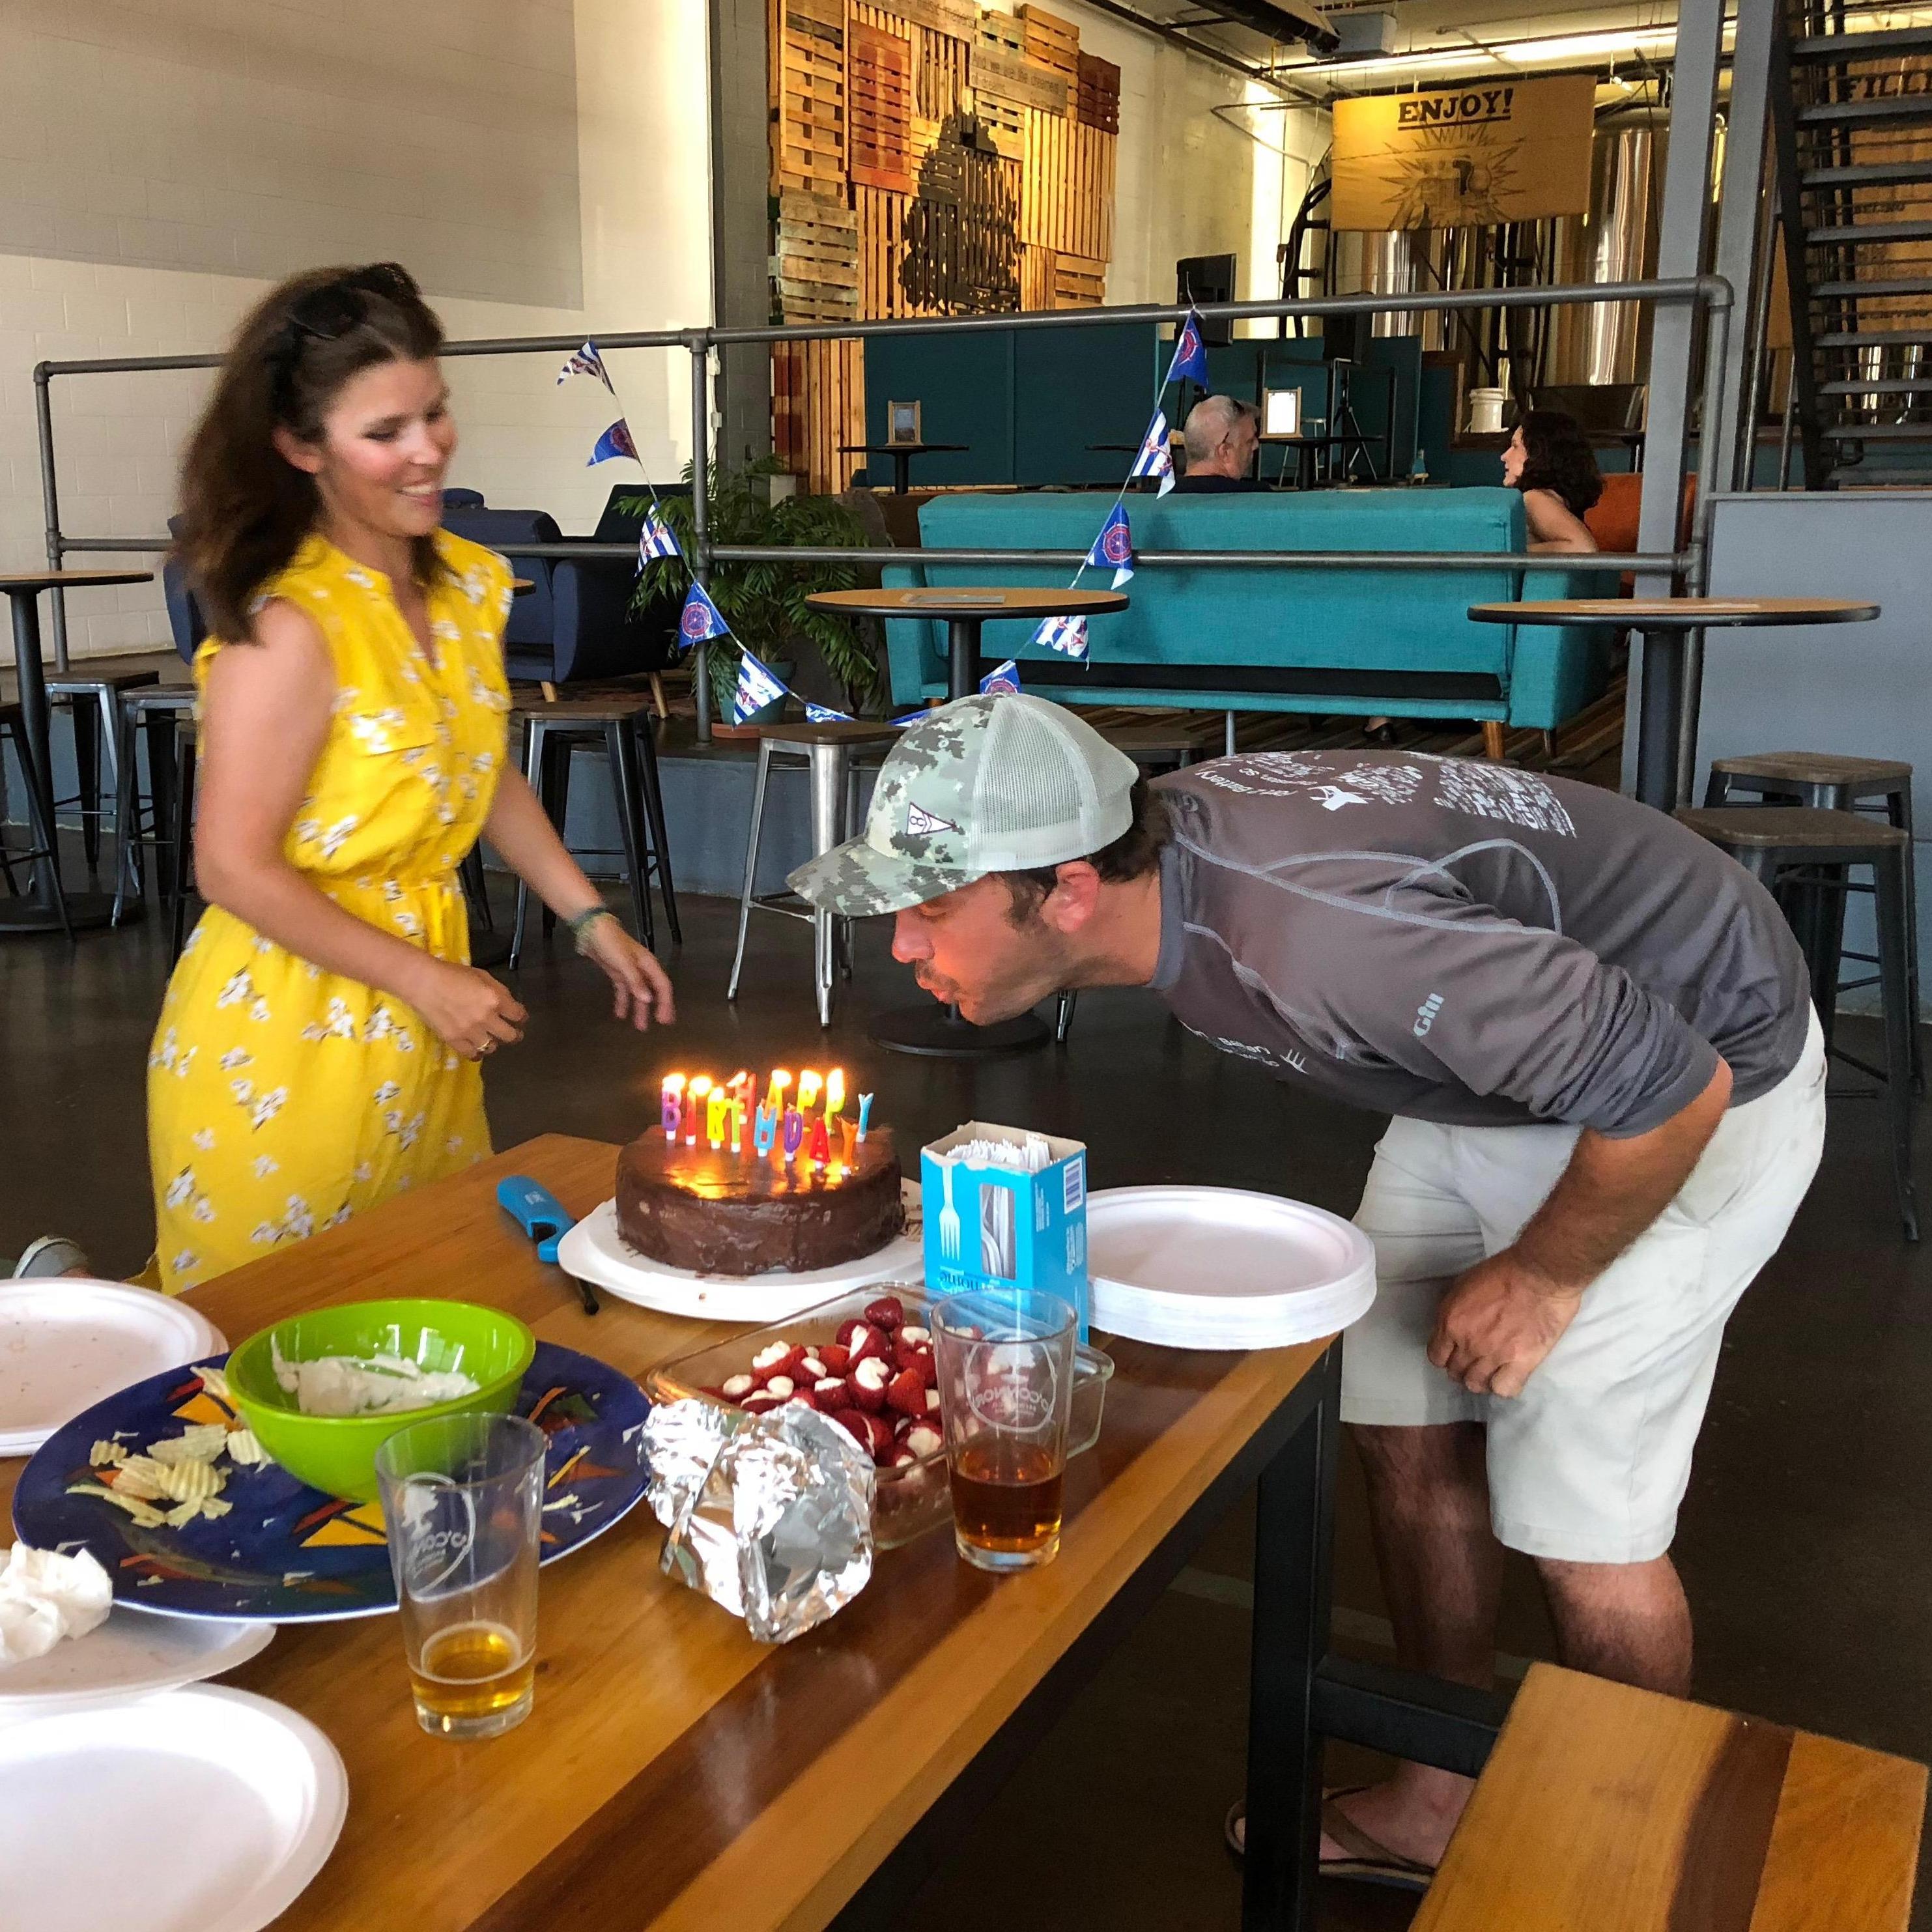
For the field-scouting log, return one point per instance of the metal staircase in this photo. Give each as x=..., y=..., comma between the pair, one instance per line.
x=1852, y=126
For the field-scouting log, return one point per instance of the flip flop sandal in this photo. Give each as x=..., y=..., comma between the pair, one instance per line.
x=51, y=1255
x=1366, y=1862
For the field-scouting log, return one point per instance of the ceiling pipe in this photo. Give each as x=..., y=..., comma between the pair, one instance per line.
x=1161, y=31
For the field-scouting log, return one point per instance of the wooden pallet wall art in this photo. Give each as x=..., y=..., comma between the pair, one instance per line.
x=962, y=228
x=818, y=402
x=809, y=97
x=939, y=52
x=1003, y=31
x=1097, y=100
x=1051, y=41
x=817, y=266
x=1066, y=198
x=879, y=109
x=1079, y=283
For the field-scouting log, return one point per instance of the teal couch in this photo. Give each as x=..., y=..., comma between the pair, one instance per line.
x=1257, y=638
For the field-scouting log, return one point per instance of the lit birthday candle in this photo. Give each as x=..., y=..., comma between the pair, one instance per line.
x=809, y=1085
x=794, y=1132
x=774, y=1094
x=834, y=1094
x=738, y=1127
x=765, y=1129
x=717, y=1115
x=865, y=1113
x=848, y=1136
x=819, y=1147
x=694, y=1108
x=671, y=1104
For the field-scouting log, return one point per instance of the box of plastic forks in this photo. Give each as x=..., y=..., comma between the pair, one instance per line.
x=1005, y=1207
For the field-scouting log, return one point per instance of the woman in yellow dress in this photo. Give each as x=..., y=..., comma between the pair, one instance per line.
x=319, y=1048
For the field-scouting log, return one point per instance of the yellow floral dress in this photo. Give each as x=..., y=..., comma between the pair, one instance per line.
x=282, y=1098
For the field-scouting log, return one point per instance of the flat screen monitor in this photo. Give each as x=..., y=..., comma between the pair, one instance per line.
x=1208, y=278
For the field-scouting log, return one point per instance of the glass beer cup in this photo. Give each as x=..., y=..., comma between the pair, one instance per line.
x=462, y=1501
x=1005, y=1362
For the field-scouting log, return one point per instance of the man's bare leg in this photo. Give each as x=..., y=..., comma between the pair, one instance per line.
x=1441, y=1570
x=1629, y=1621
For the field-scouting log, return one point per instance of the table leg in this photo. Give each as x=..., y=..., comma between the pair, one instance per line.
x=39, y=911
x=901, y=472
x=1663, y=708
x=938, y=1031
x=1294, y=1534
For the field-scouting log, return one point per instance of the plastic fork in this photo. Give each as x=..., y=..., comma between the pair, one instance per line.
x=949, y=1217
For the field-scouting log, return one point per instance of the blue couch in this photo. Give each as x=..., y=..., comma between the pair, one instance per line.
x=1257, y=638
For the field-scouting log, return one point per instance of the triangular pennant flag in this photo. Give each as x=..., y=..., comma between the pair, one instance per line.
x=1190, y=354
x=701, y=619
x=824, y=714
x=757, y=686
x=616, y=441
x=918, y=717
x=586, y=361
x=1067, y=635
x=1155, y=458
x=1003, y=682
x=1114, y=547
x=656, y=540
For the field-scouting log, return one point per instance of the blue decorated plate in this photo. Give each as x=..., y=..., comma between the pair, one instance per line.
x=287, y=1553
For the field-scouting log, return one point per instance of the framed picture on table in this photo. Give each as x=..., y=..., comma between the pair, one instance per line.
x=902, y=423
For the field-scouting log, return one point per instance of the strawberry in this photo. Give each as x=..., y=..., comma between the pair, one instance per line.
x=921, y=1438
x=868, y=1383
x=878, y=1441
x=801, y=1399
x=905, y=1394
x=834, y=1392
x=736, y=1387
x=903, y=1459
x=869, y=1344
x=854, y=1424
x=781, y=1387
x=843, y=1335
x=810, y=1368
x=887, y=1313
x=834, y=1359
x=910, y=1355
x=760, y=1404
x=932, y=1401
x=779, y=1359
x=911, y=1332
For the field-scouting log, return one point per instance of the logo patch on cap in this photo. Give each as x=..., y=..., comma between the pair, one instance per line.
x=918, y=819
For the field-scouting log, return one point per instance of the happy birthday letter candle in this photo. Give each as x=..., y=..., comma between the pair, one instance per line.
x=820, y=1146
x=865, y=1113
x=717, y=1113
x=671, y=1105
x=809, y=1085
x=794, y=1132
x=848, y=1136
x=694, y=1108
x=774, y=1094
x=737, y=1126
x=834, y=1094
x=765, y=1129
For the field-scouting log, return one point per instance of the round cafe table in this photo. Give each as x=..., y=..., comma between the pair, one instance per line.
x=1667, y=731
x=936, y=1030
x=39, y=910
x=902, y=454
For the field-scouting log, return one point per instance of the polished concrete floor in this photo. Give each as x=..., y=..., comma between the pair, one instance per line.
x=1803, y=1542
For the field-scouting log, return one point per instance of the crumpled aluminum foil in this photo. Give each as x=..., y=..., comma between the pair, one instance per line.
x=771, y=1517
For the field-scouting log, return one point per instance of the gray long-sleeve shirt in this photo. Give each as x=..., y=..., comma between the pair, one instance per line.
x=1461, y=942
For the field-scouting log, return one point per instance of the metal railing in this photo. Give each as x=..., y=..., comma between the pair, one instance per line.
x=1710, y=293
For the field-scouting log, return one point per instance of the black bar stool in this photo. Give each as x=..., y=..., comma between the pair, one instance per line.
x=552, y=733
x=1832, y=781
x=151, y=821
x=93, y=693
x=1798, y=850
x=13, y=727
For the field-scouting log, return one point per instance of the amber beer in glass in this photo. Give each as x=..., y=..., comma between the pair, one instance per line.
x=462, y=1503
x=1005, y=1361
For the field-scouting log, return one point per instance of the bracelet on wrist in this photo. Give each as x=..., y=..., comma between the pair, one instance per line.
x=580, y=926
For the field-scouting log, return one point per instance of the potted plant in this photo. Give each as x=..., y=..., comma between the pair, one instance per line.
x=764, y=603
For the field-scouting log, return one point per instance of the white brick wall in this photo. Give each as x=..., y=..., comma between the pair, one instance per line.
x=633, y=231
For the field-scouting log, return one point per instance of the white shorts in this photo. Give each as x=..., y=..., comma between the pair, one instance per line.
x=1591, y=1462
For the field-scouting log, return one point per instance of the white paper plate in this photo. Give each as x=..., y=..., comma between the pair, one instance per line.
x=1218, y=1268
x=593, y=1252
x=65, y=1345
x=130, y=1655
x=202, y=1810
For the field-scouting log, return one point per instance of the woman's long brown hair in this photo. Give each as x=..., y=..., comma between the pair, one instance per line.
x=245, y=509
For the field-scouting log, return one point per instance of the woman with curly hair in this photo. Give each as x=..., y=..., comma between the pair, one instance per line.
x=1549, y=460
x=320, y=1049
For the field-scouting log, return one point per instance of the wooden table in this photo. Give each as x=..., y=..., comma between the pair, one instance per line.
x=39, y=910
x=1666, y=745
x=676, y=1774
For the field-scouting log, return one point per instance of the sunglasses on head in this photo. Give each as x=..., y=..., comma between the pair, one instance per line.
x=337, y=307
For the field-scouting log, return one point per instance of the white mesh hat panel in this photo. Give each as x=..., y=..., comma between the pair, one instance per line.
x=1049, y=788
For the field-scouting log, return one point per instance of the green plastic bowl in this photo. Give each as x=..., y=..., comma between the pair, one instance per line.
x=336, y=1454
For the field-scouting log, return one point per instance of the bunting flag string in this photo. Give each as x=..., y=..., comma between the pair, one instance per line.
x=1190, y=354
x=586, y=361
x=1003, y=681
x=825, y=714
x=758, y=685
x=1155, y=458
x=1067, y=635
x=1114, y=547
x=701, y=620
x=615, y=442
x=657, y=539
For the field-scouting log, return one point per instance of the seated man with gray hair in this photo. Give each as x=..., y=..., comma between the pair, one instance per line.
x=1220, y=438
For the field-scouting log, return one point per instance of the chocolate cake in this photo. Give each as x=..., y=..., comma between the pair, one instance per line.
x=742, y=1214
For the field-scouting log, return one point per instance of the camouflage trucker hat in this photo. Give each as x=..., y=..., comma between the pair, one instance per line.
x=989, y=784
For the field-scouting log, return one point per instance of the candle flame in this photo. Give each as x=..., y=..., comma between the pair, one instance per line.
x=809, y=1085
x=740, y=1078
x=834, y=1092
x=673, y=1083
x=701, y=1087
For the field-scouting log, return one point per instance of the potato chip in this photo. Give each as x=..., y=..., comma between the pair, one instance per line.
x=245, y=1449
x=215, y=1381
x=105, y=1453
x=190, y=1482
x=140, y=1476
x=143, y=1513
x=201, y=1443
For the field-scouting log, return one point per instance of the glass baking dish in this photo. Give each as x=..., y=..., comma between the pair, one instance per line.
x=907, y=1500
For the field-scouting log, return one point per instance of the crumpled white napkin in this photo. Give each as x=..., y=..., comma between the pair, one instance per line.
x=45, y=1596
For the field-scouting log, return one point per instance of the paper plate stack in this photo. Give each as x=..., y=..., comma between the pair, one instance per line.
x=1216, y=1267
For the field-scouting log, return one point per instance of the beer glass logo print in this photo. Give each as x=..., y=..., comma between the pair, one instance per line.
x=439, y=1528
x=1012, y=1386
